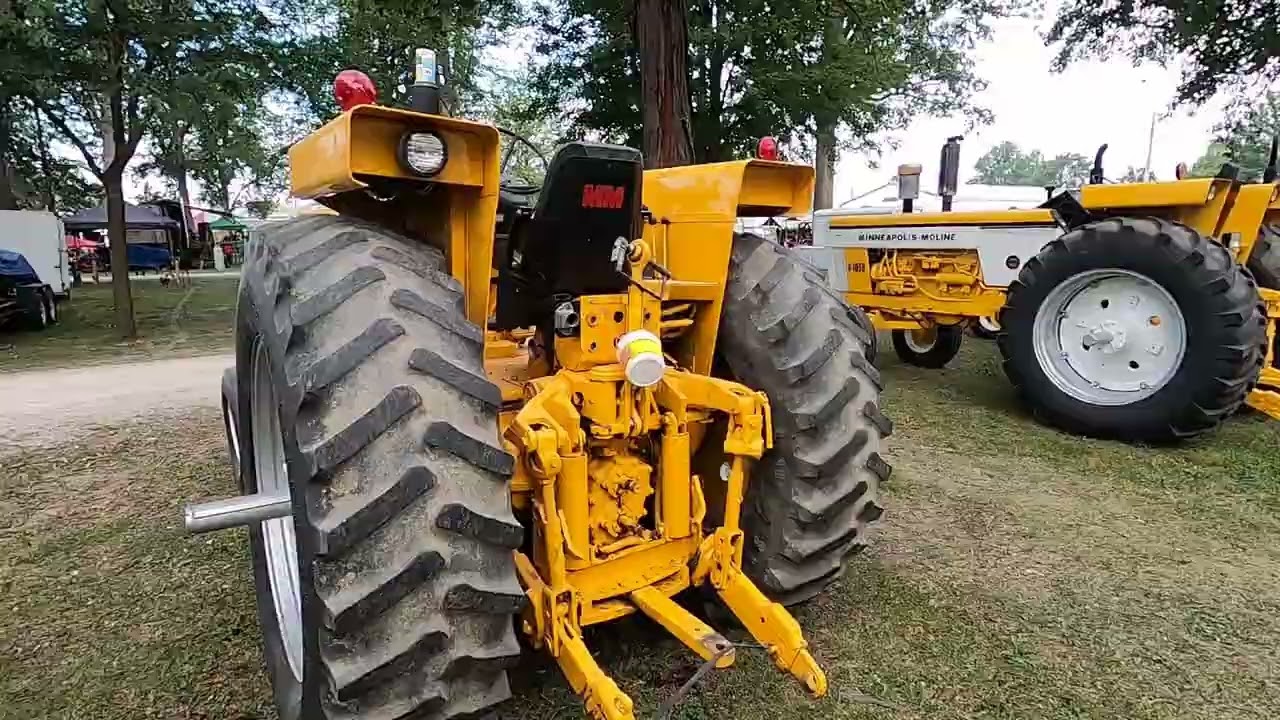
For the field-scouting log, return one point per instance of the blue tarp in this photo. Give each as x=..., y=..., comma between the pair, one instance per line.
x=16, y=268
x=148, y=257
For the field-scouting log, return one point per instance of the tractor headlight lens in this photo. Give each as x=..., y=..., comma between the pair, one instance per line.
x=423, y=152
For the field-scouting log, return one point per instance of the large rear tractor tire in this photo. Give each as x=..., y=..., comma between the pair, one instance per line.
x=1264, y=260
x=361, y=392
x=1135, y=329
x=812, y=499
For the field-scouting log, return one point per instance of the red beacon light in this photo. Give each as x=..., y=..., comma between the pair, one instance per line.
x=767, y=149
x=352, y=88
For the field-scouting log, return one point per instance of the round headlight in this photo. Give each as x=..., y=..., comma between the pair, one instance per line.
x=423, y=152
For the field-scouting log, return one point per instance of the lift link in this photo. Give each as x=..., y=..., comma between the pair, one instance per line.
x=618, y=512
x=547, y=434
x=719, y=560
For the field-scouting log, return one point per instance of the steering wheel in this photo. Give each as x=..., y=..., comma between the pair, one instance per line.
x=507, y=183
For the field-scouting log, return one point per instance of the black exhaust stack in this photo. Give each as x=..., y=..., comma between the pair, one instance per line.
x=949, y=171
x=1095, y=175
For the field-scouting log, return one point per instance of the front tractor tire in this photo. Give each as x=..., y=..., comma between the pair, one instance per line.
x=931, y=347
x=1134, y=329
x=812, y=499
x=360, y=392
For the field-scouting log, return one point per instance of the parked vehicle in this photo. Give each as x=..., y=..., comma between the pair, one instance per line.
x=25, y=301
x=40, y=238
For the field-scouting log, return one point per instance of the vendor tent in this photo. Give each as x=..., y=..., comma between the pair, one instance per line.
x=79, y=243
x=228, y=223
x=135, y=218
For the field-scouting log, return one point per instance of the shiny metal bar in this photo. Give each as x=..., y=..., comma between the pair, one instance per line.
x=235, y=512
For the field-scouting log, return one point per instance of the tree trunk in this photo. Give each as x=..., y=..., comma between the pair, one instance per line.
x=179, y=167
x=8, y=197
x=184, y=197
x=824, y=161
x=824, y=158
x=46, y=163
x=662, y=39
x=108, y=134
x=118, y=234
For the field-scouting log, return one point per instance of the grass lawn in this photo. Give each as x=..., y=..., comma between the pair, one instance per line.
x=171, y=322
x=1019, y=573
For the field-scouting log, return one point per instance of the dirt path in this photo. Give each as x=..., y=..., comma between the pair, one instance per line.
x=43, y=407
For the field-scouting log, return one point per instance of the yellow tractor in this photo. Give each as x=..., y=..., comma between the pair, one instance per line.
x=1143, y=311
x=466, y=406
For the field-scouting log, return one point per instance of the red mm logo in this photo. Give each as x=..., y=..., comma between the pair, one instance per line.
x=608, y=197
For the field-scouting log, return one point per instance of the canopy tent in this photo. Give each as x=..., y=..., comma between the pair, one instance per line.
x=135, y=218
x=228, y=223
x=78, y=243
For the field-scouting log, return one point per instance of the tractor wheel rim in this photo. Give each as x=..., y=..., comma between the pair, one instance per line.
x=921, y=341
x=278, y=536
x=233, y=434
x=988, y=323
x=1109, y=337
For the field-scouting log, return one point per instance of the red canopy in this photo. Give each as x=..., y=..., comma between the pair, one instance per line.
x=77, y=243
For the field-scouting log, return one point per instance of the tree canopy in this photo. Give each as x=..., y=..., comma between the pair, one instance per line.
x=864, y=65
x=1007, y=164
x=202, y=81
x=1243, y=139
x=1222, y=44
x=378, y=38
x=34, y=175
x=103, y=71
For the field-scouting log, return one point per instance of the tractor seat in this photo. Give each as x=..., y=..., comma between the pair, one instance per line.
x=590, y=198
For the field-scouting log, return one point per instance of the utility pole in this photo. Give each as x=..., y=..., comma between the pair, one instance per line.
x=1151, y=141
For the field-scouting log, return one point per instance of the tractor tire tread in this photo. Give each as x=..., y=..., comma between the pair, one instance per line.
x=1264, y=260
x=404, y=529
x=806, y=506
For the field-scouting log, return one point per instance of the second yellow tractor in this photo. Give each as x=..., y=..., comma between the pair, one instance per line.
x=1143, y=311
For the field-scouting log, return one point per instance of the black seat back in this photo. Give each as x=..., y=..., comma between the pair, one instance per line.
x=590, y=198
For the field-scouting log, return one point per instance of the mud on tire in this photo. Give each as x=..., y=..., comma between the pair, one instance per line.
x=401, y=510
x=811, y=500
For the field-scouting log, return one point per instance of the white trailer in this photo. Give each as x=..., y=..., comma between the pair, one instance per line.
x=39, y=236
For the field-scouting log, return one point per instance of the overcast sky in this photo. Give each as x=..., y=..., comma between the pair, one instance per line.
x=1074, y=111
